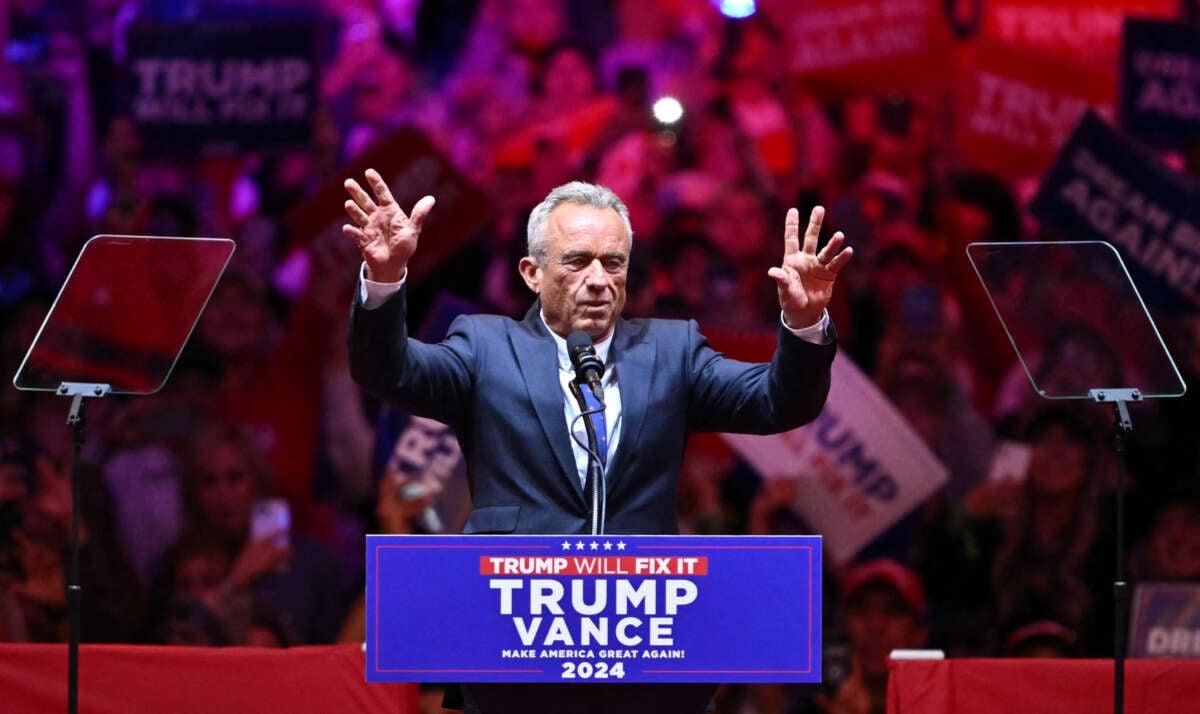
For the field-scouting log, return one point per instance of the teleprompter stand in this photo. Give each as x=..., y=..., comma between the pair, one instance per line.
x=1109, y=352
x=117, y=326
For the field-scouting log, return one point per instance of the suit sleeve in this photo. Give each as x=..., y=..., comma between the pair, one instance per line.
x=432, y=381
x=728, y=395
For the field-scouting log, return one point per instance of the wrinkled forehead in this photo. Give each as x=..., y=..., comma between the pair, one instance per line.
x=577, y=223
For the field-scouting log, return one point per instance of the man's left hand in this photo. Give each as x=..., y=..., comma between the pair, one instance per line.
x=805, y=280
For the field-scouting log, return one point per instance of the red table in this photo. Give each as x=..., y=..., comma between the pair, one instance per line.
x=1041, y=686
x=119, y=679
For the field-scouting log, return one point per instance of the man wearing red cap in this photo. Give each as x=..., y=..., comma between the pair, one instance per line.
x=884, y=603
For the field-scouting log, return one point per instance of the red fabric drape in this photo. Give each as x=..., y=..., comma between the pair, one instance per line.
x=1041, y=686
x=118, y=679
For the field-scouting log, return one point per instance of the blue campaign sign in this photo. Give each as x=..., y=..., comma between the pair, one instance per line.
x=1104, y=186
x=248, y=84
x=1166, y=620
x=1160, y=82
x=593, y=608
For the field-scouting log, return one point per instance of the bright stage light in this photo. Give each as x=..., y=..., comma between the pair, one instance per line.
x=668, y=110
x=737, y=9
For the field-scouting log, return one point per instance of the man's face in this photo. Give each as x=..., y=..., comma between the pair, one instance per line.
x=878, y=621
x=582, y=284
x=739, y=227
x=225, y=491
x=235, y=320
x=1058, y=463
x=1174, y=544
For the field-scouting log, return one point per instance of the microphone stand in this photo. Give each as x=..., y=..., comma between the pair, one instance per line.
x=595, y=472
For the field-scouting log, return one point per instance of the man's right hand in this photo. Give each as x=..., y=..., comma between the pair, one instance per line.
x=385, y=236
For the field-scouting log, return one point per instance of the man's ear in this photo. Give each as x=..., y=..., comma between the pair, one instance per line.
x=531, y=273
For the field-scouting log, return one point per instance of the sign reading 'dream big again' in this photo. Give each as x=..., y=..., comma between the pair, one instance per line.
x=593, y=608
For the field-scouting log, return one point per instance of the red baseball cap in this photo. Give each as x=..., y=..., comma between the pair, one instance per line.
x=890, y=572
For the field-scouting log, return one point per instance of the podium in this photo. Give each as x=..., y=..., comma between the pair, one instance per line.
x=588, y=616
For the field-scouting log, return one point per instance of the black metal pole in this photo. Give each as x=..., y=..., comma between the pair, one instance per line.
x=74, y=589
x=1120, y=588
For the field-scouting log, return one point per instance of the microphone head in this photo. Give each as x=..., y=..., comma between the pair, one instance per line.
x=577, y=340
x=582, y=353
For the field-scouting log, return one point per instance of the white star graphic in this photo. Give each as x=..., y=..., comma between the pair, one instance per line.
x=621, y=545
x=579, y=545
x=595, y=545
x=566, y=545
x=608, y=545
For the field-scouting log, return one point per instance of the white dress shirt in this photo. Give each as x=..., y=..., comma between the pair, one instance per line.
x=612, y=401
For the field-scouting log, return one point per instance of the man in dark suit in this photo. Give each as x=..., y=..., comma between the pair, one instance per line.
x=503, y=385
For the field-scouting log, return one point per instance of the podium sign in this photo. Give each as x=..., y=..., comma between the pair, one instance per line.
x=593, y=609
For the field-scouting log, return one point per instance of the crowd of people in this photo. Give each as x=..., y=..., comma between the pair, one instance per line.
x=521, y=96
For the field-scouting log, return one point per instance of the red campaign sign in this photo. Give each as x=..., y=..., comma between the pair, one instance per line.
x=849, y=45
x=1014, y=114
x=750, y=344
x=412, y=167
x=1081, y=31
x=593, y=565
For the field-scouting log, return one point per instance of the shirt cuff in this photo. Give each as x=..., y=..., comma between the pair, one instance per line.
x=815, y=333
x=374, y=294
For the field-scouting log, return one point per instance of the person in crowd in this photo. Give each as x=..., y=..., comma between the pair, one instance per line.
x=968, y=207
x=922, y=384
x=1170, y=551
x=884, y=608
x=197, y=608
x=1049, y=557
x=568, y=113
x=35, y=527
x=265, y=561
x=1044, y=638
x=398, y=511
x=262, y=362
x=699, y=283
x=740, y=229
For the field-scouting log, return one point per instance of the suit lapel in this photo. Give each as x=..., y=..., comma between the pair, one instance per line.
x=538, y=359
x=635, y=356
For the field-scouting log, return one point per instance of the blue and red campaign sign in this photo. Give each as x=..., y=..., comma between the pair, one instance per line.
x=1160, y=83
x=1104, y=186
x=1166, y=620
x=593, y=608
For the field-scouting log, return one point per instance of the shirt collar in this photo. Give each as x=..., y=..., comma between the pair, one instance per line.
x=560, y=343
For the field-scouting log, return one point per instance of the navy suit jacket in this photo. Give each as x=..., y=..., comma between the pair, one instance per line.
x=495, y=382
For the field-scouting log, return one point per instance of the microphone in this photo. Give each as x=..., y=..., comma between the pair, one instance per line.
x=588, y=367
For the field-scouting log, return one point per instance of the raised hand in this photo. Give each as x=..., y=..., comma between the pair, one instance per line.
x=805, y=279
x=258, y=558
x=397, y=505
x=385, y=236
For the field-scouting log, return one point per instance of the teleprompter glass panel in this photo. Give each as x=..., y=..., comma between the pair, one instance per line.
x=124, y=313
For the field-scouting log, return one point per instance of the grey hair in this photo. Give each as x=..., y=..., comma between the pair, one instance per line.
x=577, y=192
